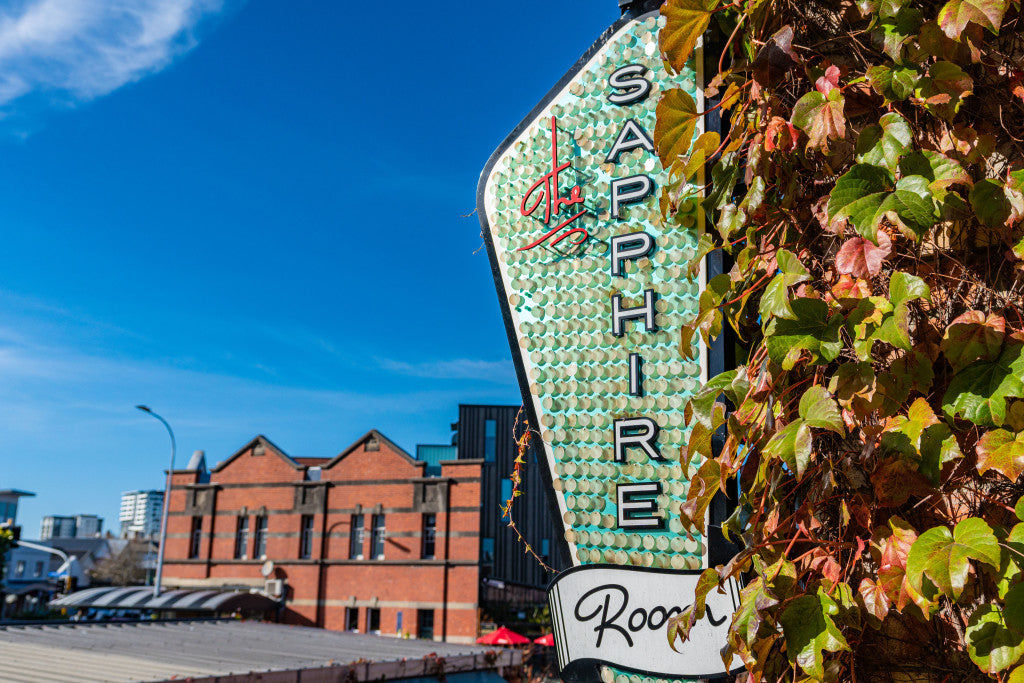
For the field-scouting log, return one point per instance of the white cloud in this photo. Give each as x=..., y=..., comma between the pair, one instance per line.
x=87, y=48
x=459, y=368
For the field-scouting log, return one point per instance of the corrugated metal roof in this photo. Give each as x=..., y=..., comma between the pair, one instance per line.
x=159, y=651
x=141, y=597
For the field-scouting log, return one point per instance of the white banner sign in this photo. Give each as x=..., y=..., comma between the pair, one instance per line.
x=618, y=616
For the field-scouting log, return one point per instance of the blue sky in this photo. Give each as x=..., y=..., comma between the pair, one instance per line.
x=251, y=217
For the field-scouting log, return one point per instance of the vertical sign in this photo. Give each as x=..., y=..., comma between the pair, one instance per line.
x=594, y=289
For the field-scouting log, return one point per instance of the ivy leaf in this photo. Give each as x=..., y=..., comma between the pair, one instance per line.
x=1002, y=451
x=872, y=594
x=821, y=117
x=979, y=391
x=724, y=176
x=812, y=330
x=939, y=170
x=1016, y=676
x=809, y=629
x=1013, y=608
x=680, y=625
x=912, y=202
x=973, y=336
x=944, y=557
x=903, y=288
x=955, y=14
x=894, y=83
x=685, y=21
x=775, y=58
x=792, y=445
x=895, y=29
x=883, y=143
x=861, y=258
x=859, y=196
x=944, y=89
x=991, y=644
x=675, y=124
x=990, y=204
x=818, y=409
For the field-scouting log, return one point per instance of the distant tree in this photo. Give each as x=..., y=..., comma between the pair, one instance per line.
x=125, y=568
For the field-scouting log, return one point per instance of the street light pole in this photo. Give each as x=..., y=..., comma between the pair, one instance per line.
x=167, y=503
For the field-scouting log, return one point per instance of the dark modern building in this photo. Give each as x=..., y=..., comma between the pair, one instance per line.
x=491, y=433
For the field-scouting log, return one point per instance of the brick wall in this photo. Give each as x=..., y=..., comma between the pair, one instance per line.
x=373, y=477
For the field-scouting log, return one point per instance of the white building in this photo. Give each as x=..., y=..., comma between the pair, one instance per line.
x=79, y=526
x=140, y=513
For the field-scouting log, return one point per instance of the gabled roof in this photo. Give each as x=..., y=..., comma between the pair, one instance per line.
x=267, y=444
x=365, y=437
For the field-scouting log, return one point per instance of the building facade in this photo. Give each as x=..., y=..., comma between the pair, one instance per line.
x=363, y=541
x=140, y=512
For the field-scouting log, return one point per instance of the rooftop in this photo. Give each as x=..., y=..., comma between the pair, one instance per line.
x=227, y=650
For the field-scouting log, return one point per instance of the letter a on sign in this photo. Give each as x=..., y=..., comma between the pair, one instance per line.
x=594, y=290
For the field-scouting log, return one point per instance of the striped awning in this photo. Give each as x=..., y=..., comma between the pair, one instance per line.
x=141, y=598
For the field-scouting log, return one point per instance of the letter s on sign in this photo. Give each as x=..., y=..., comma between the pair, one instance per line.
x=630, y=79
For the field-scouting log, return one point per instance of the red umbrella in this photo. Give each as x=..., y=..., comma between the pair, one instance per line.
x=547, y=639
x=503, y=636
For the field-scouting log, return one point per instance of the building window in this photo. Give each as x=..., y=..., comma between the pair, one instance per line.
x=195, y=538
x=545, y=549
x=429, y=537
x=259, y=541
x=355, y=538
x=242, y=538
x=377, y=538
x=19, y=569
x=38, y=570
x=306, y=538
x=490, y=440
x=373, y=620
x=506, y=495
x=425, y=624
x=487, y=550
x=352, y=619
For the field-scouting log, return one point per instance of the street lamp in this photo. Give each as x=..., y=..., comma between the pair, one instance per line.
x=167, y=503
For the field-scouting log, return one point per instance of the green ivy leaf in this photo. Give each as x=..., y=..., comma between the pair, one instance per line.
x=973, y=336
x=859, y=195
x=988, y=199
x=812, y=330
x=1003, y=452
x=894, y=83
x=1013, y=608
x=792, y=444
x=675, y=125
x=894, y=30
x=944, y=557
x=913, y=204
x=818, y=409
x=955, y=14
x=808, y=626
x=990, y=643
x=685, y=21
x=944, y=89
x=939, y=170
x=724, y=176
x=883, y=143
x=821, y=117
x=903, y=288
x=979, y=391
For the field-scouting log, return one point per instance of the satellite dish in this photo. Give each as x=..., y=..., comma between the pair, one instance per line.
x=267, y=569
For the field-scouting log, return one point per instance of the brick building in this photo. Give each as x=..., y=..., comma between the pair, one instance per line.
x=362, y=541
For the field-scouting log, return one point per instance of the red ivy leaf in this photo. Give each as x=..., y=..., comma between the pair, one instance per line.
x=862, y=259
x=876, y=602
x=829, y=81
